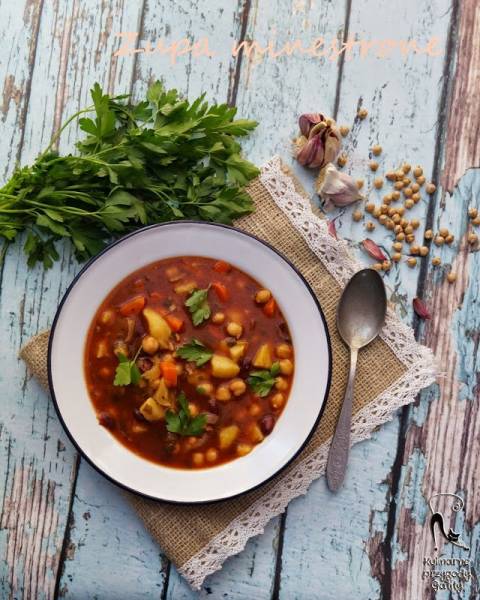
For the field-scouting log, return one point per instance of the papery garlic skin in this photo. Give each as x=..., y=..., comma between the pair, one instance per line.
x=319, y=142
x=336, y=188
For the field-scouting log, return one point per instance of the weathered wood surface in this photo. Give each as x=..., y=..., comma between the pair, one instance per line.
x=66, y=531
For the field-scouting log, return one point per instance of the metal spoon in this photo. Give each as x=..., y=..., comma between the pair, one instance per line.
x=360, y=317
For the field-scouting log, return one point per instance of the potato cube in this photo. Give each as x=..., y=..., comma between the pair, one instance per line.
x=223, y=367
x=255, y=434
x=238, y=351
x=157, y=327
x=263, y=357
x=152, y=411
x=227, y=435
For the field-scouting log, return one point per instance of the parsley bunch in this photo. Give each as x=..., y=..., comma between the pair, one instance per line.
x=157, y=160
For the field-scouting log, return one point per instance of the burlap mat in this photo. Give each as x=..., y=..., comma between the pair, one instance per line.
x=390, y=373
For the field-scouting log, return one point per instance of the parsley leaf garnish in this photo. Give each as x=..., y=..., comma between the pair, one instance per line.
x=198, y=306
x=137, y=163
x=262, y=382
x=182, y=422
x=195, y=351
x=127, y=371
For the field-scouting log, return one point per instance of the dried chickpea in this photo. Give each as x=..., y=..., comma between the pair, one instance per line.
x=417, y=172
x=406, y=168
x=416, y=197
x=397, y=246
x=281, y=384
x=449, y=239
x=376, y=150
x=410, y=238
x=421, y=180
x=277, y=401
x=378, y=183
x=396, y=218
x=386, y=265
x=370, y=226
x=404, y=223
x=396, y=257
x=238, y=387
x=399, y=175
x=436, y=262
x=234, y=329
x=211, y=455
x=428, y=235
x=198, y=459
x=451, y=277
x=439, y=240
x=430, y=188
x=476, y=220
x=218, y=318
x=398, y=185
x=377, y=212
x=472, y=238
x=406, y=181
x=357, y=215
x=392, y=211
x=204, y=389
x=389, y=224
x=373, y=165
x=407, y=192
x=149, y=344
x=443, y=232
x=359, y=183
x=396, y=195
x=263, y=296
x=377, y=266
x=387, y=199
x=107, y=317
x=370, y=207
x=414, y=249
x=408, y=229
x=400, y=237
x=344, y=130
x=423, y=250
x=342, y=160
x=415, y=223
x=472, y=212
x=383, y=219
x=401, y=210
x=384, y=208
x=412, y=262
x=362, y=113
x=223, y=393
x=409, y=204
x=286, y=366
x=390, y=175
x=397, y=228
x=415, y=187
x=283, y=351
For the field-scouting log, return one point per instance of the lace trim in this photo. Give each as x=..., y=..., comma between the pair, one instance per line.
x=418, y=360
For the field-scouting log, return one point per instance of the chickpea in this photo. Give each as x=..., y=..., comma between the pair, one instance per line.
x=399, y=175
x=357, y=215
x=376, y=150
x=397, y=228
x=223, y=393
x=390, y=175
x=344, y=129
x=362, y=113
x=238, y=387
x=472, y=212
x=423, y=250
x=406, y=181
x=218, y=318
x=421, y=180
x=396, y=195
x=370, y=226
x=107, y=317
x=370, y=207
x=415, y=223
x=283, y=351
x=397, y=246
x=407, y=192
x=342, y=160
x=449, y=239
x=398, y=185
x=386, y=265
x=105, y=373
x=387, y=198
x=410, y=238
x=263, y=296
x=234, y=329
x=384, y=209
x=428, y=235
x=400, y=237
x=254, y=410
x=406, y=167
x=430, y=188
x=377, y=267
x=277, y=401
x=390, y=224
x=408, y=229
x=286, y=366
x=416, y=198
x=414, y=249
x=451, y=277
x=359, y=183
x=281, y=384
x=417, y=172
x=472, y=238
x=443, y=232
x=198, y=459
x=397, y=257
x=412, y=262
x=401, y=210
x=439, y=240
x=383, y=219
x=243, y=449
x=476, y=220
x=377, y=212
x=193, y=408
x=378, y=183
x=211, y=455
x=205, y=389
x=396, y=218
x=373, y=165
x=436, y=262
x=415, y=187
x=409, y=204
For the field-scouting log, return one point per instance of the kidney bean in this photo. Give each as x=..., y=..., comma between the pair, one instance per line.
x=266, y=424
x=144, y=364
x=138, y=415
x=106, y=420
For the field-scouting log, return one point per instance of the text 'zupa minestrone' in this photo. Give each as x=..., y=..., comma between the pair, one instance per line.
x=189, y=362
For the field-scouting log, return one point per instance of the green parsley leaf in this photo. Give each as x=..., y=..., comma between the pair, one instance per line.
x=198, y=306
x=262, y=382
x=182, y=422
x=127, y=371
x=195, y=351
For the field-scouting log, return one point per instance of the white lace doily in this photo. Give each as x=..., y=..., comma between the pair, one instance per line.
x=418, y=360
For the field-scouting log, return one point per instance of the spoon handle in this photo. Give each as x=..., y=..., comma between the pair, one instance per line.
x=340, y=447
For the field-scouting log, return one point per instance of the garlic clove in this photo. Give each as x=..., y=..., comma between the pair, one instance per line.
x=336, y=188
x=373, y=250
x=421, y=309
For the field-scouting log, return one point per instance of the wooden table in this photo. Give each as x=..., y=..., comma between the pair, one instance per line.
x=66, y=531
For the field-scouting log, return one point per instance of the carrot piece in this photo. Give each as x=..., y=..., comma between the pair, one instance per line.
x=169, y=371
x=221, y=291
x=176, y=324
x=222, y=267
x=133, y=306
x=269, y=307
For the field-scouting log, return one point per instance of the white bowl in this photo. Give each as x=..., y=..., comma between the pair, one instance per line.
x=309, y=335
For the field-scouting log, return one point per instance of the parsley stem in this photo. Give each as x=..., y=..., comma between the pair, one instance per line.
x=62, y=128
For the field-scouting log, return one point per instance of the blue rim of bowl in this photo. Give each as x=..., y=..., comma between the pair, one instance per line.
x=52, y=336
